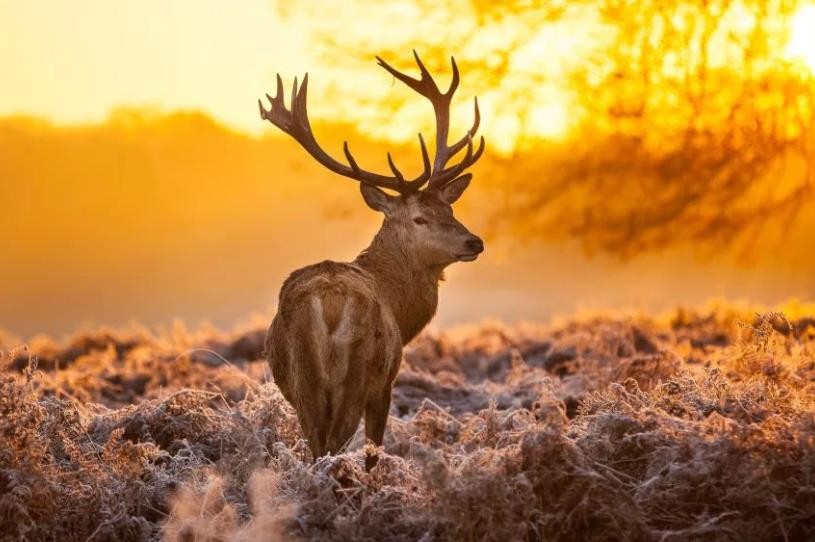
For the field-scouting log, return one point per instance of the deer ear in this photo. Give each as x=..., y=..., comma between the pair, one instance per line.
x=453, y=190
x=377, y=199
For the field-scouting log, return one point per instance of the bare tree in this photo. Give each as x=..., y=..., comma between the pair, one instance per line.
x=695, y=129
x=689, y=125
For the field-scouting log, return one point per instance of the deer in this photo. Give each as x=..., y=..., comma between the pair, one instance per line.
x=335, y=344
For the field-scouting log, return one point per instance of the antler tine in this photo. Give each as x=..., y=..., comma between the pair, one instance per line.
x=416, y=184
x=469, y=159
x=279, y=91
x=425, y=160
x=455, y=170
x=425, y=86
x=394, y=169
x=349, y=156
x=458, y=145
x=276, y=102
x=455, y=80
x=425, y=74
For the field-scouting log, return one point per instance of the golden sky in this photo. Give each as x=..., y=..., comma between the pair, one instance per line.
x=74, y=62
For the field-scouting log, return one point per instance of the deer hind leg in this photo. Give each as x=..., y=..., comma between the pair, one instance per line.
x=376, y=417
x=330, y=418
x=346, y=411
x=378, y=401
x=311, y=391
x=311, y=413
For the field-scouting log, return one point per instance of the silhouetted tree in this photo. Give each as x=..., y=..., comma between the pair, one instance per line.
x=689, y=125
x=695, y=128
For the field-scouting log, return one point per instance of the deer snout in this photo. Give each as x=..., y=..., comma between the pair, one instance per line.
x=475, y=244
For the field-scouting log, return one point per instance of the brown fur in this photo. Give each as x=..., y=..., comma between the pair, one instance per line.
x=335, y=345
x=333, y=309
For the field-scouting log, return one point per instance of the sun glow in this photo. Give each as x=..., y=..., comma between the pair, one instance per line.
x=125, y=54
x=802, y=37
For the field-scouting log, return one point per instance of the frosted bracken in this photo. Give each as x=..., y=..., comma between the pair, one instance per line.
x=694, y=426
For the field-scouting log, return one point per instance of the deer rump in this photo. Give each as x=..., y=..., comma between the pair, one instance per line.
x=334, y=351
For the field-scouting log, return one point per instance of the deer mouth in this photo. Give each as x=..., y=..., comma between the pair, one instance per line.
x=467, y=257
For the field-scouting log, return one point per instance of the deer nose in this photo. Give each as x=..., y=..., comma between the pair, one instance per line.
x=475, y=244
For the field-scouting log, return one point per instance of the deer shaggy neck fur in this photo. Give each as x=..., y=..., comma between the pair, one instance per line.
x=409, y=285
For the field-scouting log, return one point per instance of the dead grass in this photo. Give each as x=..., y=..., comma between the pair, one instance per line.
x=700, y=426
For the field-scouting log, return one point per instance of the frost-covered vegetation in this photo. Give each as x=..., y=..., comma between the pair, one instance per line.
x=699, y=425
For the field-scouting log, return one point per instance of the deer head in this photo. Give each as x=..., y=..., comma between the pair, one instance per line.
x=420, y=213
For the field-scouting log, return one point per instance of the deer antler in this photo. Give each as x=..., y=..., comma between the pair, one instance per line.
x=427, y=87
x=295, y=122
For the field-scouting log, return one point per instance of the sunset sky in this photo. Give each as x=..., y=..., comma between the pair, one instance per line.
x=74, y=62
x=149, y=214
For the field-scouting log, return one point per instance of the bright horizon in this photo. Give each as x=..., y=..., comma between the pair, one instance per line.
x=75, y=63
x=206, y=55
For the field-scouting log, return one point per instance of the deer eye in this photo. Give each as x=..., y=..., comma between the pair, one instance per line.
x=420, y=221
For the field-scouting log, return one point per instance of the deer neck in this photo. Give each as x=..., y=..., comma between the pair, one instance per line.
x=409, y=287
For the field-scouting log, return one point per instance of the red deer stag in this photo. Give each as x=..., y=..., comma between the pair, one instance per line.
x=335, y=345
